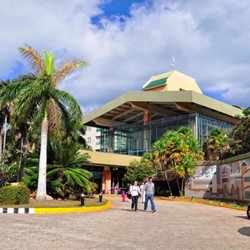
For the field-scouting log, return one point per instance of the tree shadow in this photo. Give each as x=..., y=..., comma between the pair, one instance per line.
x=245, y=231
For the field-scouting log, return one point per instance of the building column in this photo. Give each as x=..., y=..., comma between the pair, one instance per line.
x=147, y=131
x=111, y=139
x=106, y=180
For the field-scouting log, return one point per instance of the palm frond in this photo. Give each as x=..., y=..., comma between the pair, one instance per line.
x=53, y=172
x=69, y=179
x=65, y=68
x=49, y=59
x=30, y=96
x=76, y=177
x=82, y=172
x=12, y=89
x=33, y=57
x=74, y=113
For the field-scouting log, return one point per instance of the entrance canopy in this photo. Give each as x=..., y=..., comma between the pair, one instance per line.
x=131, y=108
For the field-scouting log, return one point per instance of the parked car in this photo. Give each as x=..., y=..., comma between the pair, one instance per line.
x=248, y=210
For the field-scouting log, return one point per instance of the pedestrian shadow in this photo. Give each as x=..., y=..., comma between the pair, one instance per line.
x=138, y=210
x=242, y=217
x=245, y=231
x=126, y=209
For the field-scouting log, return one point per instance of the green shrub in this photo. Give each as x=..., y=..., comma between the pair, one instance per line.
x=14, y=195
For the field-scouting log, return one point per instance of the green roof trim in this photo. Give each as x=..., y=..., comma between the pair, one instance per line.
x=156, y=83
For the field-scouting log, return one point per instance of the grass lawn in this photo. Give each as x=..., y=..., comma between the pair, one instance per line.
x=89, y=202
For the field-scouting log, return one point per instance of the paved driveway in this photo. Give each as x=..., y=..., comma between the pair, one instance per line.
x=174, y=226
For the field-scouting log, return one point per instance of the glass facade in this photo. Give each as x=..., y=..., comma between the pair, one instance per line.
x=206, y=124
x=138, y=138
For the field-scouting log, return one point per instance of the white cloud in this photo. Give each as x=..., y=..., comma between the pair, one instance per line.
x=209, y=40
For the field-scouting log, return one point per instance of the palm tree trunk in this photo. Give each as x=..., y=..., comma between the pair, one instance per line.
x=169, y=188
x=41, y=188
x=178, y=185
x=20, y=167
x=182, y=186
x=5, y=133
x=1, y=148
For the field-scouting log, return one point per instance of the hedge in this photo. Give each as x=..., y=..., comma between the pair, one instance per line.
x=14, y=195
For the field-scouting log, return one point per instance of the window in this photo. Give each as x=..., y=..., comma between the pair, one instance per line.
x=89, y=140
x=98, y=140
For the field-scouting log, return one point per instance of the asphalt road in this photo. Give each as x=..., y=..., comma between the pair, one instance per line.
x=174, y=226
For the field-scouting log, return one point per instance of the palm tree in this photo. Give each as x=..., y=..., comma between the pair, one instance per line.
x=176, y=153
x=5, y=111
x=160, y=158
x=65, y=168
x=217, y=144
x=38, y=92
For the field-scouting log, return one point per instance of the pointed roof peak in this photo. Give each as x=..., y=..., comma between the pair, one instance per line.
x=171, y=81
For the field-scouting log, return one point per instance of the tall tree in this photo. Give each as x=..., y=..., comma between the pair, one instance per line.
x=176, y=153
x=38, y=92
x=5, y=111
x=217, y=144
x=140, y=170
x=239, y=138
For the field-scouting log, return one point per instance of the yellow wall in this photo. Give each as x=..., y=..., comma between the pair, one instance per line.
x=109, y=159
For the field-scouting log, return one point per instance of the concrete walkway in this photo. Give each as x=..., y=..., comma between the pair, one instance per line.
x=174, y=226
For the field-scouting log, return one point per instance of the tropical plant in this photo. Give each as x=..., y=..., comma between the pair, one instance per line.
x=176, y=153
x=239, y=138
x=38, y=93
x=66, y=174
x=140, y=170
x=5, y=110
x=217, y=144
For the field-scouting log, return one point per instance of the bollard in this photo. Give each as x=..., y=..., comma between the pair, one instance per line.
x=82, y=199
x=123, y=196
x=100, y=197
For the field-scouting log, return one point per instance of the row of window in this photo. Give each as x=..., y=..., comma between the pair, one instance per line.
x=137, y=139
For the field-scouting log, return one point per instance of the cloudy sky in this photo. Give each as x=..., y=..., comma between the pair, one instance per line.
x=125, y=42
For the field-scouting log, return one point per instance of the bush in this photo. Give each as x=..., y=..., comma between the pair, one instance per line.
x=14, y=195
x=159, y=191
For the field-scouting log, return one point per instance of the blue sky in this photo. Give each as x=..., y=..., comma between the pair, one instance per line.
x=116, y=8
x=125, y=42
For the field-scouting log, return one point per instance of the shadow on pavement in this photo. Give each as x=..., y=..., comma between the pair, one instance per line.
x=139, y=210
x=244, y=231
x=242, y=217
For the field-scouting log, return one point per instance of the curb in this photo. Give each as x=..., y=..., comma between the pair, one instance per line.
x=205, y=203
x=55, y=210
x=15, y=210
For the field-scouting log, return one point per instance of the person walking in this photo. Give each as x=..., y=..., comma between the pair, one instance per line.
x=149, y=194
x=142, y=187
x=135, y=191
x=116, y=189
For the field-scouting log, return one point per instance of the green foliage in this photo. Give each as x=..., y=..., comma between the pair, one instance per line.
x=14, y=195
x=37, y=93
x=217, y=144
x=161, y=191
x=30, y=178
x=176, y=152
x=9, y=173
x=4, y=178
x=140, y=171
x=176, y=148
x=65, y=172
x=237, y=116
x=239, y=138
x=49, y=59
